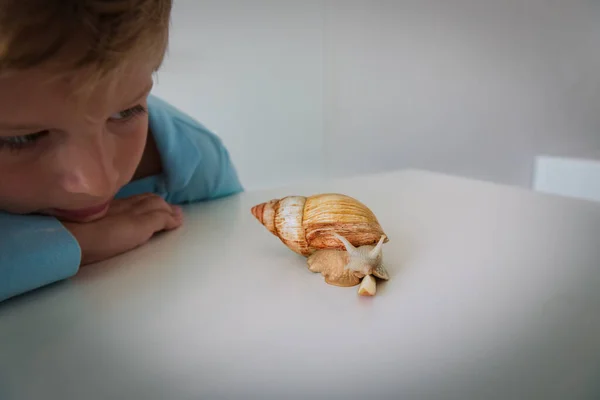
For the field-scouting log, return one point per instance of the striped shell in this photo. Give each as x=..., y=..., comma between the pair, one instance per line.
x=307, y=224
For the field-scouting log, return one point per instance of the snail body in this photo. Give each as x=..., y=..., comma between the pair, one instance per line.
x=340, y=236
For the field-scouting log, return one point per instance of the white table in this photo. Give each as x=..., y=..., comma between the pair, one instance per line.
x=494, y=294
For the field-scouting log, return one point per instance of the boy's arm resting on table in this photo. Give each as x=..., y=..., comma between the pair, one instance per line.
x=34, y=251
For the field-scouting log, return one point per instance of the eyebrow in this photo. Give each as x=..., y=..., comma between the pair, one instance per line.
x=146, y=90
x=33, y=128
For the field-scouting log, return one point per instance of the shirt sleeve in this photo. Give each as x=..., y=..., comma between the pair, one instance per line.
x=35, y=251
x=197, y=164
x=214, y=174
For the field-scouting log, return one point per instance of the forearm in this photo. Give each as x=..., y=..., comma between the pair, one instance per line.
x=34, y=251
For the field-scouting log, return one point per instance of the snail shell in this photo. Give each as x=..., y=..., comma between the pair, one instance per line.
x=308, y=224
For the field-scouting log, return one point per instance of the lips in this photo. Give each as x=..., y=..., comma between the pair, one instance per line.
x=82, y=213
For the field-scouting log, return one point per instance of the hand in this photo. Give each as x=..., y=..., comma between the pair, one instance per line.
x=129, y=223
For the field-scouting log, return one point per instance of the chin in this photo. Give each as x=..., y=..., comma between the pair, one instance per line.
x=80, y=220
x=80, y=215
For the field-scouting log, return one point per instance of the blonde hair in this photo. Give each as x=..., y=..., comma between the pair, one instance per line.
x=96, y=35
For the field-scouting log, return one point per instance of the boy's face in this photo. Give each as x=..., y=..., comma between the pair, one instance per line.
x=67, y=155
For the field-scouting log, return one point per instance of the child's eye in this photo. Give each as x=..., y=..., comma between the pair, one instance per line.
x=21, y=142
x=128, y=114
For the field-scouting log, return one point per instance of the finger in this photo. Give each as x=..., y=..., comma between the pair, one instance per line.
x=118, y=206
x=149, y=204
x=136, y=201
x=156, y=221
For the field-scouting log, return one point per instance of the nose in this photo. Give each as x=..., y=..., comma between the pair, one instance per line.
x=87, y=167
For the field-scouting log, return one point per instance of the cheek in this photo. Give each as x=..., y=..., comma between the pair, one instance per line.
x=27, y=185
x=21, y=188
x=130, y=147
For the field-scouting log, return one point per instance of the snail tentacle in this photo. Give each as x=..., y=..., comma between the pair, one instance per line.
x=353, y=251
x=376, y=252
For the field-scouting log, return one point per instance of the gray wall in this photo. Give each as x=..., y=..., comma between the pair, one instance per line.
x=478, y=88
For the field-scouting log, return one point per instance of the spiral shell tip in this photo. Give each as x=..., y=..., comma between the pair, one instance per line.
x=257, y=211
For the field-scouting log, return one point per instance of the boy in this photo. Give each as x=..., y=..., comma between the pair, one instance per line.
x=91, y=165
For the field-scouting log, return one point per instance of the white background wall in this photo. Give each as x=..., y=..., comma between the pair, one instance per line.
x=299, y=90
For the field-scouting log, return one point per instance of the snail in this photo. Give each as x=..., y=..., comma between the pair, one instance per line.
x=340, y=237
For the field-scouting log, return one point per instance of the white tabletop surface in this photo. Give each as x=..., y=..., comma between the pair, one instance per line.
x=494, y=294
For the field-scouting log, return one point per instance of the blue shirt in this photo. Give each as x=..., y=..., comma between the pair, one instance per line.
x=38, y=250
